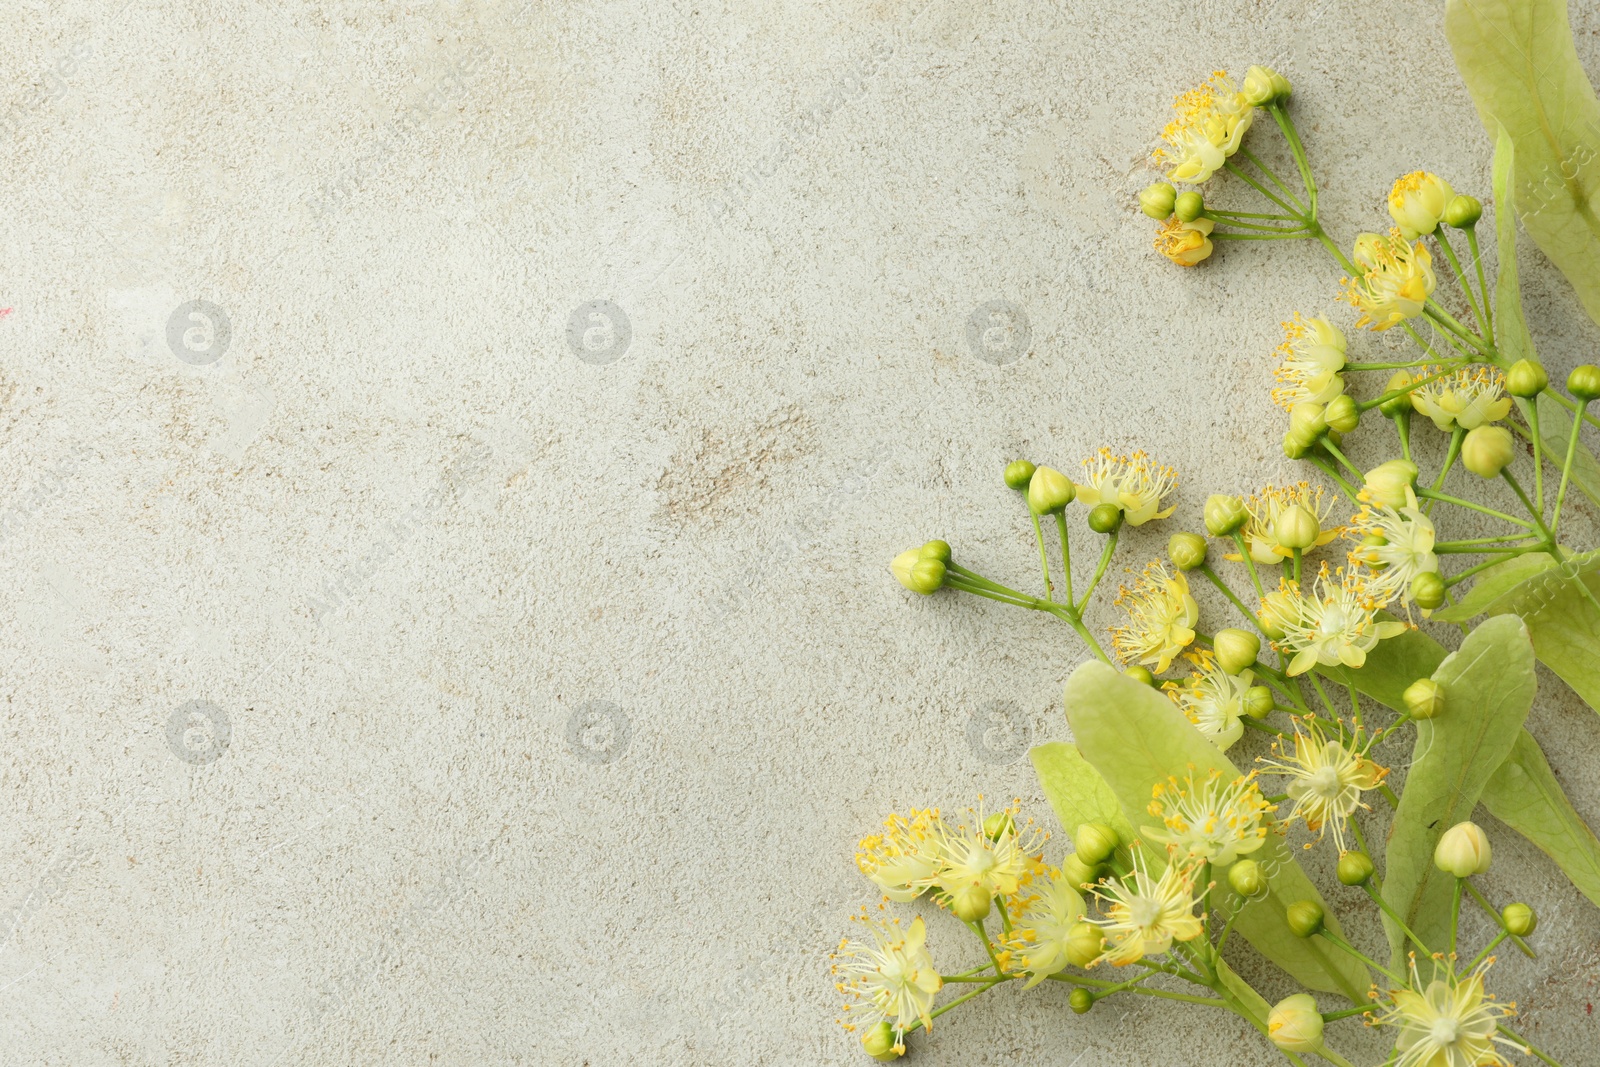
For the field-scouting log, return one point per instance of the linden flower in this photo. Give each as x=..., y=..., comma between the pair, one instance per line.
x=1213, y=821
x=894, y=977
x=1396, y=281
x=1336, y=625
x=1469, y=398
x=1405, y=551
x=997, y=866
x=1417, y=203
x=1213, y=699
x=1039, y=933
x=1161, y=618
x=1260, y=531
x=1451, y=1023
x=1212, y=120
x=1133, y=483
x=904, y=859
x=1185, y=243
x=1326, y=781
x=1144, y=915
x=1311, y=357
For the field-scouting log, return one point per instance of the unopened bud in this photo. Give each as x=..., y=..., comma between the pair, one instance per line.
x=1258, y=702
x=881, y=1043
x=1463, y=850
x=939, y=550
x=1295, y=1024
x=1584, y=382
x=1225, y=514
x=1018, y=473
x=1080, y=1000
x=1105, y=518
x=1188, y=206
x=1519, y=919
x=1247, y=878
x=970, y=903
x=1141, y=674
x=1463, y=212
x=1305, y=918
x=1235, y=649
x=1296, y=447
x=1263, y=86
x=1423, y=698
x=1386, y=484
x=1095, y=842
x=999, y=824
x=1077, y=873
x=1526, y=379
x=1355, y=868
x=1049, y=491
x=1158, y=200
x=1342, y=413
x=1427, y=590
x=1296, y=528
x=918, y=573
x=1186, y=550
x=1085, y=943
x=1308, y=421
x=1487, y=450
x=1400, y=404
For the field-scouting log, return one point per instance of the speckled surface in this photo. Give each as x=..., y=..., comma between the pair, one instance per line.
x=524, y=534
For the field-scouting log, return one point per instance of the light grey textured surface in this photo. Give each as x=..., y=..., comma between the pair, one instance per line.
x=558, y=686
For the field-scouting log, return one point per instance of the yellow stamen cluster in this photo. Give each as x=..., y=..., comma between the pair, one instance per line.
x=1260, y=532
x=1212, y=119
x=1326, y=780
x=1335, y=625
x=1212, y=821
x=1161, y=618
x=1133, y=483
x=1310, y=359
x=1395, y=282
x=1469, y=398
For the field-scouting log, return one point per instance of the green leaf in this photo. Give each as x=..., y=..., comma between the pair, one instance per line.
x=1253, y=1004
x=1489, y=687
x=1525, y=795
x=1393, y=665
x=1490, y=592
x=1136, y=738
x=1510, y=326
x=1518, y=61
x=1564, y=621
x=1076, y=792
x=1555, y=427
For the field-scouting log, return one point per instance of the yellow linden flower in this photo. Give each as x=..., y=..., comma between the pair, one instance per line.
x=1161, y=618
x=1133, y=483
x=1311, y=357
x=1212, y=699
x=1041, y=927
x=904, y=859
x=1417, y=203
x=1336, y=625
x=996, y=865
x=1405, y=551
x=1469, y=398
x=1213, y=118
x=893, y=977
x=1185, y=243
x=1451, y=1023
x=1260, y=532
x=1396, y=280
x=1144, y=915
x=1326, y=780
x=1210, y=821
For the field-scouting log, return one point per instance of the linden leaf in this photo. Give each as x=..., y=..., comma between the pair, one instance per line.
x=1391, y=666
x=1076, y=792
x=1490, y=592
x=1525, y=795
x=1559, y=606
x=1489, y=686
x=1136, y=738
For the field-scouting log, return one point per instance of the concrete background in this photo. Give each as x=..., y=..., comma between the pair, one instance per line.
x=408, y=659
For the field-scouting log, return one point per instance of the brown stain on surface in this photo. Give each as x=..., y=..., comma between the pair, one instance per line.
x=717, y=473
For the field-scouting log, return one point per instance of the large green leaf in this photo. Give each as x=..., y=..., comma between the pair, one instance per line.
x=1559, y=607
x=1076, y=792
x=1510, y=325
x=1518, y=61
x=1525, y=795
x=1392, y=666
x=1253, y=1004
x=1137, y=738
x=1555, y=427
x=1494, y=588
x=1489, y=687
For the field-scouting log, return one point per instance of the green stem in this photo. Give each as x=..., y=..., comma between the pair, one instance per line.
x=1250, y=564
x=1566, y=469
x=1498, y=557
x=1296, y=149
x=1044, y=565
x=1477, y=259
x=1500, y=921
x=1455, y=914
x=1273, y=175
x=1066, y=552
x=1434, y=494
x=1333, y=450
x=1527, y=1045
x=1100, y=570
x=1258, y=187
x=1461, y=277
x=1402, y=426
x=1383, y=905
x=1490, y=947
x=1532, y=412
x=1334, y=939
x=1344, y=486
x=1456, y=437
x=1205, y=568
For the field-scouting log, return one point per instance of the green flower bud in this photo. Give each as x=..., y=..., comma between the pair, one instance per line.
x=1463, y=850
x=1095, y=842
x=1584, y=382
x=1141, y=674
x=1081, y=1000
x=1526, y=379
x=1018, y=473
x=1105, y=518
x=1427, y=589
x=1305, y=918
x=1295, y=1024
x=939, y=550
x=1519, y=919
x=1386, y=484
x=1400, y=404
x=970, y=903
x=918, y=574
x=1296, y=528
x=1078, y=873
x=1085, y=943
x=1258, y=702
x=1355, y=868
x=1049, y=491
x=1158, y=200
x=1487, y=450
x=1263, y=86
x=1247, y=878
x=882, y=1044
x=1236, y=649
x=1342, y=413
x=998, y=825
x=1225, y=514
x=1463, y=212
x=1423, y=698
x=1186, y=550
x=1188, y=206
x=1308, y=421
x=1294, y=446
